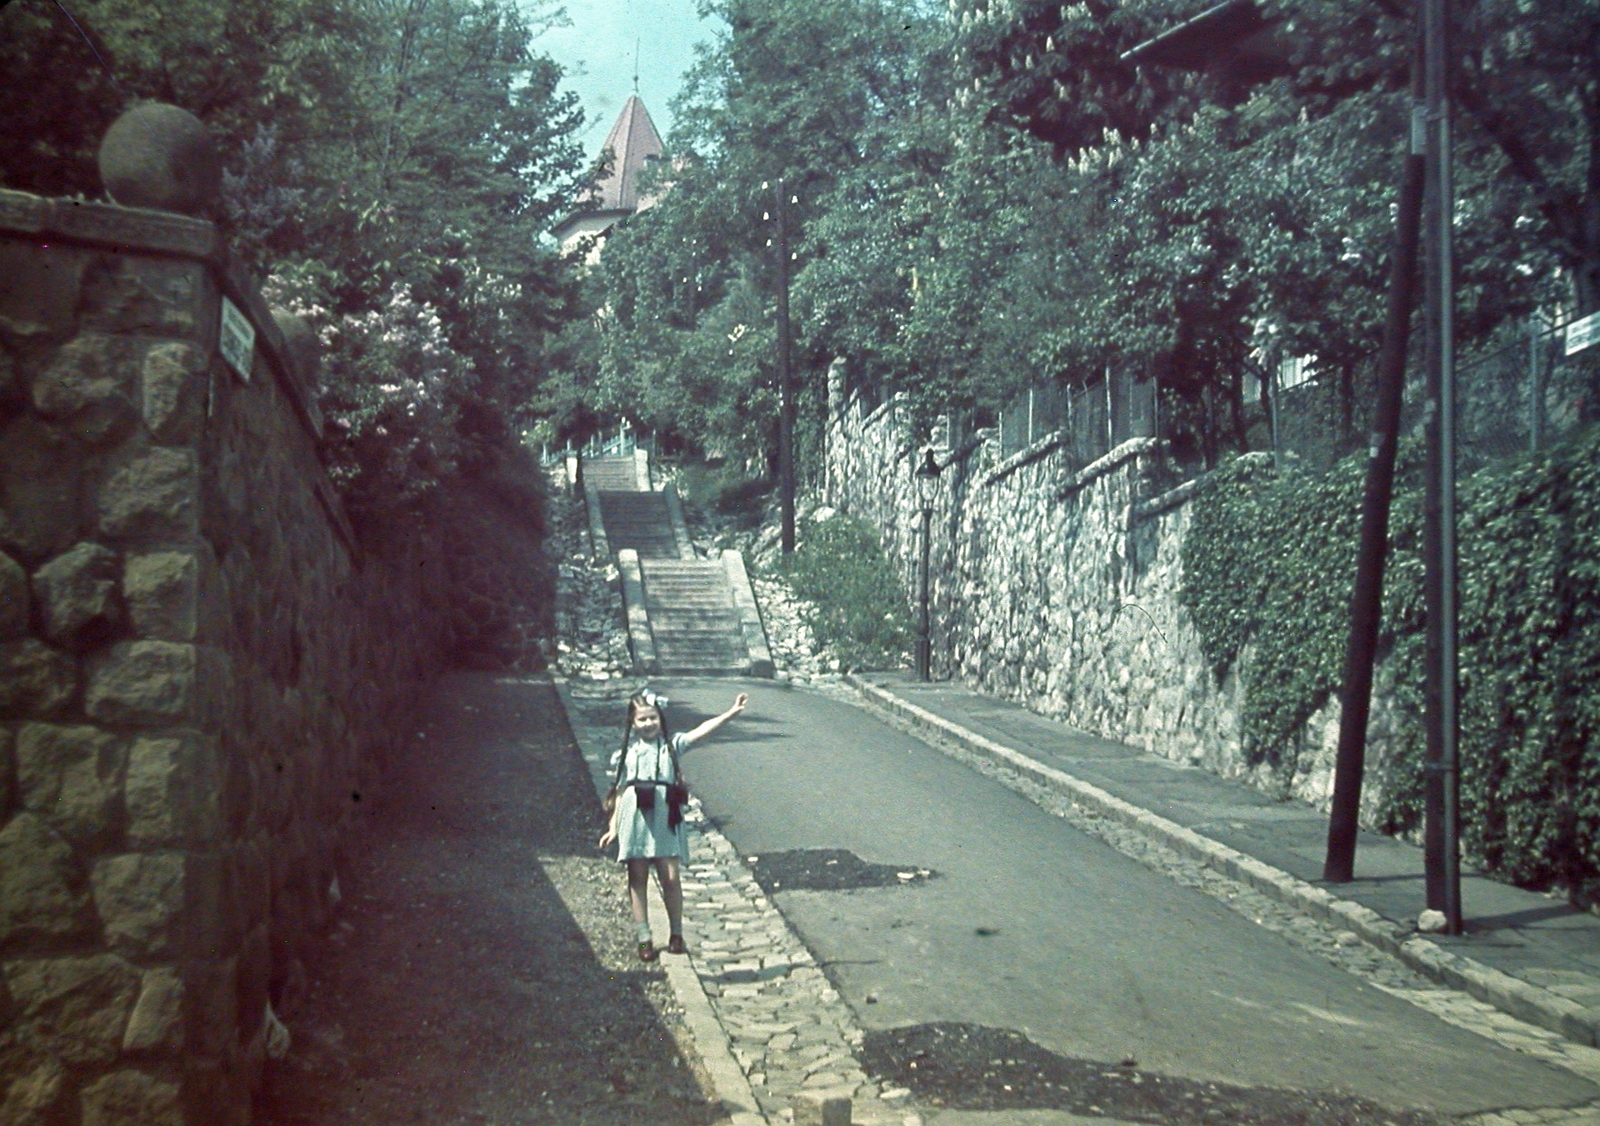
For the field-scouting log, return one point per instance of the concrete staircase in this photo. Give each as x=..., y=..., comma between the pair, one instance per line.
x=686, y=616
x=641, y=521
x=616, y=474
x=693, y=620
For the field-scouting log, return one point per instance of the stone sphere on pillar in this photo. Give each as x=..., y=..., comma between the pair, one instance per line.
x=159, y=156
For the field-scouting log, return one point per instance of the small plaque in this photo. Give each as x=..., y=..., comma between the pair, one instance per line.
x=237, y=339
x=1583, y=333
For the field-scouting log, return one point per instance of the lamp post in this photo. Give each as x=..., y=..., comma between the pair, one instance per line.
x=927, y=478
x=1441, y=818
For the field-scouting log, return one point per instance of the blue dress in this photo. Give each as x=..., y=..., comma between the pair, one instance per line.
x=643, y=835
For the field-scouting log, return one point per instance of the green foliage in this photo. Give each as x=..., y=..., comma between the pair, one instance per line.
x=1269, y=561
x=1282, y=587
x=861, y=610
x=685, y=342
x=1173, y=224
x=724, y=490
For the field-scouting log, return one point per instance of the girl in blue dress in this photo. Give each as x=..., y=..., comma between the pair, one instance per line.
x=647, y=813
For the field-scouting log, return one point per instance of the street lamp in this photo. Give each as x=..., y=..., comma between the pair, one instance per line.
x=927, y=478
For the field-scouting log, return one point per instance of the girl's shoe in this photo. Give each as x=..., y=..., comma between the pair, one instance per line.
x=675, y=945
x=648, y=952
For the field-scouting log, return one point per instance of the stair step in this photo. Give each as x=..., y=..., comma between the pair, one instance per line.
x=611, y=473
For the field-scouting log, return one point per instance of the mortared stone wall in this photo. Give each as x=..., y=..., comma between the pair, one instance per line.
x=1057, y=586
x=199, y=674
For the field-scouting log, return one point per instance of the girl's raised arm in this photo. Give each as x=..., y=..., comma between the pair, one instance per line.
x=716, y=721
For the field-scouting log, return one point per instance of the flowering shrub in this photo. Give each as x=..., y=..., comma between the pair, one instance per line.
x=391, y=392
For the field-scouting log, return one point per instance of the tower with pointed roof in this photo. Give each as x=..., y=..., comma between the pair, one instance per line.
x=633, y=144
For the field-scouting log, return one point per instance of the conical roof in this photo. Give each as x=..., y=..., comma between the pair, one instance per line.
x=633, y=140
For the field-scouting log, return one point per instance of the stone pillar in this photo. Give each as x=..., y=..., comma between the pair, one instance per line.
x=832, y=431
x=122, y=917
x=107, y=692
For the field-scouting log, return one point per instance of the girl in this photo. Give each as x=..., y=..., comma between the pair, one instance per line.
x=647, y=815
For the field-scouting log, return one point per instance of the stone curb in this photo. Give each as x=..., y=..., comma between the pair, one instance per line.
x=598, y=544
x=1506, y=993
x=640, y=638
x=750, y=625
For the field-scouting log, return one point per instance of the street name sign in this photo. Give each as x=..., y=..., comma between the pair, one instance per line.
x=1582, y=333
x=236, y=336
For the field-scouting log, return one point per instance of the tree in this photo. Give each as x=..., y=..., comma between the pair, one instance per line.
x=686, y=288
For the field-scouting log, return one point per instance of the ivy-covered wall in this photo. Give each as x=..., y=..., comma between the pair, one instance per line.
x=1529, y=591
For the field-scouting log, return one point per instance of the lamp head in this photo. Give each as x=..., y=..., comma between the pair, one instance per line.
x=927, y=476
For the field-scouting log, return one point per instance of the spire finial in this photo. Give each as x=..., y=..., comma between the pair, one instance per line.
x=636, y=66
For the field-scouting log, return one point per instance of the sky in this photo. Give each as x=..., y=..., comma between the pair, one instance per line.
x=597, y=50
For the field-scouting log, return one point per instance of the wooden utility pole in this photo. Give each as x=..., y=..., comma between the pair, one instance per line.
x=786, y=410
x=1366, y=600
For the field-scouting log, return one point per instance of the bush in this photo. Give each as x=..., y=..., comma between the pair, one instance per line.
x=1270, y=560
x=860, y=608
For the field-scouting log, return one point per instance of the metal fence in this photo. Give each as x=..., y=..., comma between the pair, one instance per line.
x=1523, y=395
x=1095, y=416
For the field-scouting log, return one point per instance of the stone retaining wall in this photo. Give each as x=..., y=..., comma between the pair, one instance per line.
x=198, y=674
x=1057, y=586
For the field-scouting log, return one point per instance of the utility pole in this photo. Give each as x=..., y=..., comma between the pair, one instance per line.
x=786, y=410
x=1366, y=600
x=1441, y=830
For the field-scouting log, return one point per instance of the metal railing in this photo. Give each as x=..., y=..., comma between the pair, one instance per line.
x=1523, y=395
x=1095, y=416
x=620, y=444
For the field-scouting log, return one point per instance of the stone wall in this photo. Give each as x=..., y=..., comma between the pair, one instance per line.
x=1057, y=586
x=199, y=675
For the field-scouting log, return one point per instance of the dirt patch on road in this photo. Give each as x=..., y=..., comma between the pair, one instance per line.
x=973, y=1067
x=482, y=967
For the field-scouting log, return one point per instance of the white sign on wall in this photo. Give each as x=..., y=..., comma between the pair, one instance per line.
x=237, y=338
x=1583, y=332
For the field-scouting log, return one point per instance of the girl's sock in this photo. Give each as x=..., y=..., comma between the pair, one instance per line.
x=642, y=932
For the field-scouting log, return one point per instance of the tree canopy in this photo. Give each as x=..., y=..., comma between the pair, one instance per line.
x=988, y=196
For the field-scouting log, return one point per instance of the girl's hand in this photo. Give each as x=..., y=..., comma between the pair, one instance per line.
x=608, y=837
x=739, y=702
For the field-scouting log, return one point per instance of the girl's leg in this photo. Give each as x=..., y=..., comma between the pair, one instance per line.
x=638, y=896
x=671, y=891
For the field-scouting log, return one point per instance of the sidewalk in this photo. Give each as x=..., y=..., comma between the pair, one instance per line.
x=1527, y=954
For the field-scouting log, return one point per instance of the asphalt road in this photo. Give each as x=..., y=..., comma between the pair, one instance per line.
x=1031, y=925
